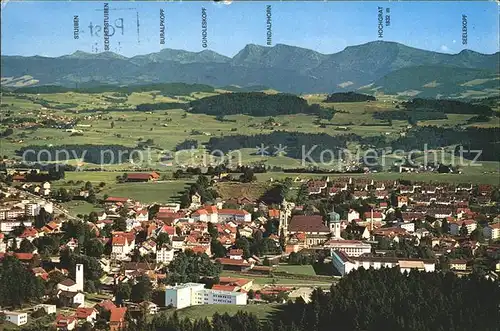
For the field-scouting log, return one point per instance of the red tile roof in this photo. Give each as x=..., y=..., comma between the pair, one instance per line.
x=116, y=199
x=303, y=223
x=83, y=313
x=229, y=288
x=117, y=314
x=229, y=261
x=106, y=304
x=141, y=175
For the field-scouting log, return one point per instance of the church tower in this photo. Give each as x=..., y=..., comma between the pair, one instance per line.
x=79, y=277
x=334, y=223
x=285, y=214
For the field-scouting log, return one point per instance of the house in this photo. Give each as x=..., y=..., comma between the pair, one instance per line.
x=123, y=243
x=313, y=227
x=64, y=323
x=114, y=200
x=236, y=254
x=16, y=318
x=86, y=314
x=234, y=264
x=195, y=200
x=345, y=264
x=492, y=231
x=403, y=201
x=117, y=320
x=49, y=309
x=150, y=307
x=455, y=227
x=458, y=265
x=374, y=216
x=241, y=283
x=142, y=215
x=142, y=176
x=69, y=292
x=165, y=254
x=349, y=247
x=214, y=215
x=352, y=215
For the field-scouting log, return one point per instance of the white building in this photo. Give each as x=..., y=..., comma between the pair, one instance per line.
x=352, y=215
x=16, y=317
x=49, y=309
x=165, y=254
x=455, y=227
x=492, y=231
x=345, y=264
x=350, y=247
x=9, y=225
x=122, y=244
x=32, y=209
x=214, y=215
x=72, y=291
x=190, y=294
x=409, y=227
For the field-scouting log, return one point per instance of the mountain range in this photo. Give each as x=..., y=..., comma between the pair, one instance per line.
x=381, y=66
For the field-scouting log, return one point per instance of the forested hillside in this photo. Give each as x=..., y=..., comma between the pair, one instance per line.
x=382, y=300
x=253, y=104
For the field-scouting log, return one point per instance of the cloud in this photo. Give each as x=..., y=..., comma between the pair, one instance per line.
x=345, y=84
x=454, y=41
x=444, y=48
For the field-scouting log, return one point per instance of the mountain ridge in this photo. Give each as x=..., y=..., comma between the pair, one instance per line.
x=282, y=67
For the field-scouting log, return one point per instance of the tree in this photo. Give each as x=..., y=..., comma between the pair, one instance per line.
x=122, y=293
x=248, y=176
x=445, y=227
x=190, y=267
x=94, y=247
x=242, y=243
x=162, y=239
x=478, y=234
x=463, y=230
x=212, y=230
x=282, y=240
x=26, y=246
x=42, y=218
x=18, y=285
x=217, y=249
x=120, y=224
x=141, y=290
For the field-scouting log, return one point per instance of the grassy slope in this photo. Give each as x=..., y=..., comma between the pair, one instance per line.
x=199, y=312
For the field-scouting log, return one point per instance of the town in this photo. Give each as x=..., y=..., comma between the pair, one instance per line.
x=132, y=261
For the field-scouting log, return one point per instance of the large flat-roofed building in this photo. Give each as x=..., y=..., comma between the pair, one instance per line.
x=345, y=264
x=16, y=318
x=191, y=294
x=350, y=247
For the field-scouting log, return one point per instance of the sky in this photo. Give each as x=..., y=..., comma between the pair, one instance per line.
x=47, y=28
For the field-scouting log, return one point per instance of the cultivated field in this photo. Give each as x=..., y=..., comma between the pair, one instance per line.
x=167, y=128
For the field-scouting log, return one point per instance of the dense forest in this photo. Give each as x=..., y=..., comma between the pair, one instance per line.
x=160, y=106
x=163, y=88
x=401, y=115
x=253, y=104
x=382, y=300
x=485, y=139
x=447, y=106
x=97, y=154
x=349, y=97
